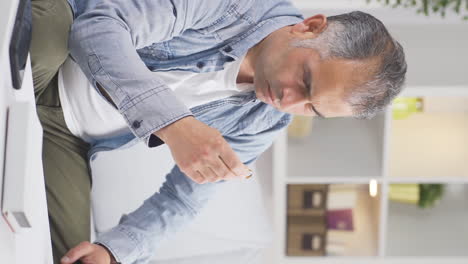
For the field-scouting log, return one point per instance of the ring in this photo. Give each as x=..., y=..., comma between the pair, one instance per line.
x=250, y=175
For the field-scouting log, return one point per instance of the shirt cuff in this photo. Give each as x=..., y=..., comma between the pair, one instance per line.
x=152, y=111
x=120, y=244
x=113, y=260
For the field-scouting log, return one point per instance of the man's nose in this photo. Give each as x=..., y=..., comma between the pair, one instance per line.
x=292, y=98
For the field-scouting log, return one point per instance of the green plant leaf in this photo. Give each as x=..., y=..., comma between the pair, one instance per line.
x=426, y=7
x=458, y=6
x=429, y=194
x=429, y=7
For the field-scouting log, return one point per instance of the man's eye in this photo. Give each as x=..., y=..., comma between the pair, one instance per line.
x=306, y=87
x=311, y=108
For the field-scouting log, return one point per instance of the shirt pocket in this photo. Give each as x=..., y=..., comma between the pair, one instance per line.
x=155, y=52
x=253, y=118
x=231, y=24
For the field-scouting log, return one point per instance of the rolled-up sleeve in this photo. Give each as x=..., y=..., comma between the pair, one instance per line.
x=176, y=204
x=104, y=40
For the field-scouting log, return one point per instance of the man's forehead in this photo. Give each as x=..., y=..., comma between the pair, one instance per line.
x=350, y=73
x=339, y=77
x=333, y=105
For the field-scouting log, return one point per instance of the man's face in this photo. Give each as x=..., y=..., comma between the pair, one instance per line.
x=298, y=81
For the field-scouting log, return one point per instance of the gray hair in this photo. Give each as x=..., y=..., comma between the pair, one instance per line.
x=359, y=36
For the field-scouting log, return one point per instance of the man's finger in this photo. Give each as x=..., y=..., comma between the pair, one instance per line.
x=209, y=174
x=222, y=170
x=237, y=167
x=74, y=254
x=229, y=165
x=198, y=177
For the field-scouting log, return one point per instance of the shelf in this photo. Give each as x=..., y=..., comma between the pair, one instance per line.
x=371, y=260
x=331, y=180
x=432, y=144
x=444, y=179
x=338, y=147
x=432, y=90
x=343, y=200
x=439, y=231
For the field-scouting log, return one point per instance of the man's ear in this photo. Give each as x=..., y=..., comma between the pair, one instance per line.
x=310, y=27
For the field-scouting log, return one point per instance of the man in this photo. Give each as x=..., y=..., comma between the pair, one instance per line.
x=188, y=73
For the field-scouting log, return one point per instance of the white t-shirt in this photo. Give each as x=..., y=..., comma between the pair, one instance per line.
x=89, y=116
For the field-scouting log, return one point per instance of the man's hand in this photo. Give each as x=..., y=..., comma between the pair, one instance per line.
x=201, y=151
x=88, y=253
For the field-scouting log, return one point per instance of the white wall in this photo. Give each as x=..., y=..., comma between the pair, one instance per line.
x=437, y=54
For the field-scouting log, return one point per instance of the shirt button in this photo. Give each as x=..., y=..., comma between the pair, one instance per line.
x=136, y=124
x=229, y=59
x=200, y=64
x=228, y=49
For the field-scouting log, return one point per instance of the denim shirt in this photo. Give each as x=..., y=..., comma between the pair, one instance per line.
x=119, y=43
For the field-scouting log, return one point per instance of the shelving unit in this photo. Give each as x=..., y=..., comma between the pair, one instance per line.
x=431, y=147
x=428, y=147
